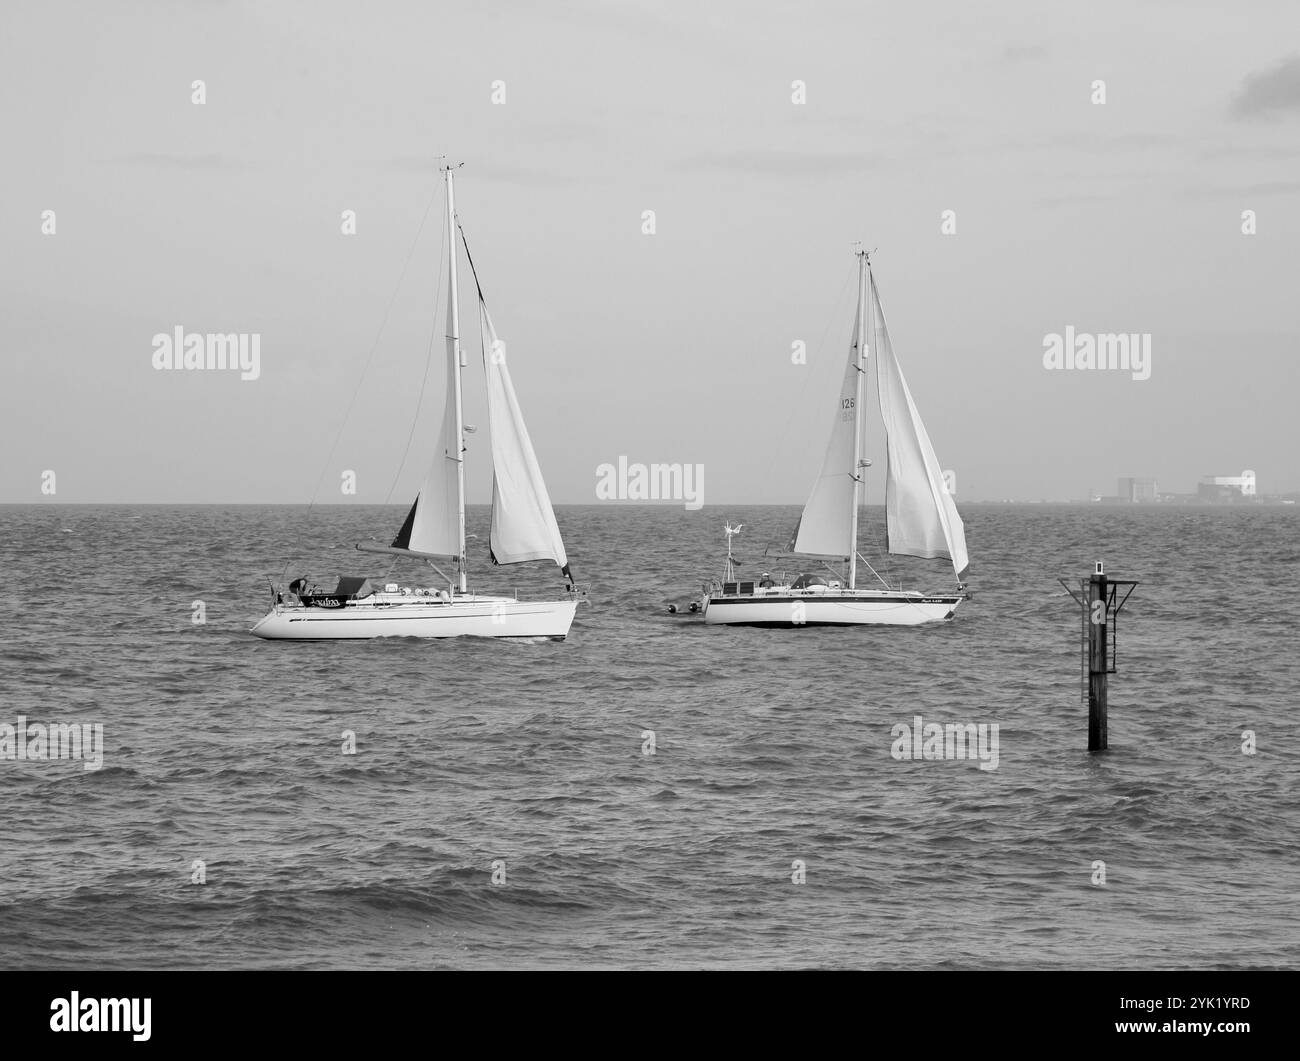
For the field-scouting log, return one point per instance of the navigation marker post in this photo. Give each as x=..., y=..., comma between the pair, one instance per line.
x=1100, y=605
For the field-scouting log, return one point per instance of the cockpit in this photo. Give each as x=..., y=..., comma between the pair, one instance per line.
x=347, y=588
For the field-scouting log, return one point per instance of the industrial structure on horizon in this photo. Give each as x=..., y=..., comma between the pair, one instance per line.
x=1226, y=487
x=1216, y=488
x=1134, y=489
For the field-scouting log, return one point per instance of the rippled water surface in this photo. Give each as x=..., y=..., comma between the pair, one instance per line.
x=771, y=747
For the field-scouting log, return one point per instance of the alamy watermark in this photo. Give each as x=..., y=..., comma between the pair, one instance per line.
x=952, y=740
x=77, y=1014
x=651, y=482
x=36, y=742
x=1083, y=351
x=211, y=351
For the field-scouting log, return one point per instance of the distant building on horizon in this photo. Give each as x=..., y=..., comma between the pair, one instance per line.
x=1226, y=487
x=1130, y=490
x=1137, y=489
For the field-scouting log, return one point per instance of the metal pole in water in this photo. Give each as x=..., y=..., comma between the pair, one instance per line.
x=1098, y=665
x=1100, y=599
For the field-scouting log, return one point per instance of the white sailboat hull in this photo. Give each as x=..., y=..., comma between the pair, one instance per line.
x=475, y=616
x=838, y=608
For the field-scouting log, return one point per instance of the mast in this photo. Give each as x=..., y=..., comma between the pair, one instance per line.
x=864, y=265
x=454, y=352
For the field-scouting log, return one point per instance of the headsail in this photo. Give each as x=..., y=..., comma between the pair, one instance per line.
x=523, y=521
x=825, y=528
x=920, y=516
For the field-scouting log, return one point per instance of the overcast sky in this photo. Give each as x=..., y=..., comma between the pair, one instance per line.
x=673, y=347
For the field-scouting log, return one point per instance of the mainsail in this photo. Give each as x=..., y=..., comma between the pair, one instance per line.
x=920, y=516
x=826, y=526
x=523, y=521
x=433, y=524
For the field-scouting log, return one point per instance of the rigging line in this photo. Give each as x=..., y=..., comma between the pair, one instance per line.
x=470, y=258
x=365, y=369
x=419, y=402
x=873, y=570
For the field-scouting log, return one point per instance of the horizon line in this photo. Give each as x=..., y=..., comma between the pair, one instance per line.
x=1184, y=499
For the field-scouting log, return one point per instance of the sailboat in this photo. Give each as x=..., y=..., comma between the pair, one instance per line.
x=921, y=517
x=523, y=526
